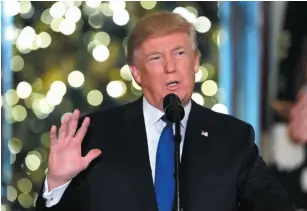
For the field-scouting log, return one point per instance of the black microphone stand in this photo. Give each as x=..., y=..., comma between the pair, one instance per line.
x=175, y=113
x=177, y=139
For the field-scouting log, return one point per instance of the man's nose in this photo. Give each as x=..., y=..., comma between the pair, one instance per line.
x=169, y=65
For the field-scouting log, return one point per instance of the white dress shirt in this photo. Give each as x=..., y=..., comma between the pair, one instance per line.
x=154, y=126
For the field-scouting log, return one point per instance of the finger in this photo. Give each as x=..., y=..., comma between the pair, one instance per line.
x=83, y=129
x=91, y=155
x=53, y=136
x=64, y=127
x=72, y=128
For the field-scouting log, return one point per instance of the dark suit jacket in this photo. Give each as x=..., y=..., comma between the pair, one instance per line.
x=217, y=172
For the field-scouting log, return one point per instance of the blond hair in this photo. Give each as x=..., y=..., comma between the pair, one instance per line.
x=156, y=25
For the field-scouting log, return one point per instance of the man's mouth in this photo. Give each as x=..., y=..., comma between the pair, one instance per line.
x=173, y=85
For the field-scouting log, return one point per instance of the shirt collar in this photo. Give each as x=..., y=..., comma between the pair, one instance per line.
x=152, y=115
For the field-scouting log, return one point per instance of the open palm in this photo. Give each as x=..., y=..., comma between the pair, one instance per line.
x=65, y=159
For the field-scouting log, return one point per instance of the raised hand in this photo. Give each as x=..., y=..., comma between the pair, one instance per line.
x=65, y=159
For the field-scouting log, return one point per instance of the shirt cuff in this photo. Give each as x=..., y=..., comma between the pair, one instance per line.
x=54, y=196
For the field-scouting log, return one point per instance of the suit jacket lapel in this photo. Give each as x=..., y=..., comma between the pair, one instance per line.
x=133, y=143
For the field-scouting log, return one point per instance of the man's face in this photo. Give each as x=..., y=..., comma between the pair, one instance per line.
x=166, y=65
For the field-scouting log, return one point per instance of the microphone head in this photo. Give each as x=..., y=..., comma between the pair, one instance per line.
x=172, y=107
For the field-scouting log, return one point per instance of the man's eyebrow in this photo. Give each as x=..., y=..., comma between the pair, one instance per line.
x=178, y=47
x=152, y=53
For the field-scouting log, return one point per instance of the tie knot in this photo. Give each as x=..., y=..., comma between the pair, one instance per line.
x=164, y=119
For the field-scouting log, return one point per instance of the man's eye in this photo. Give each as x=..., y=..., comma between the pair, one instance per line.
x=180, y=52
x=154, y=58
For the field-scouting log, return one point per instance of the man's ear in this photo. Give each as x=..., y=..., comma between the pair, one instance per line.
x=136, y=74
x=197, y=60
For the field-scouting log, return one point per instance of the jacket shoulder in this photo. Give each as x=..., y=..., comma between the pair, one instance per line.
x=223, y=120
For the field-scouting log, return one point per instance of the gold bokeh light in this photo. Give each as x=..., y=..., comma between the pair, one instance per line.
x=116, y=89
x=76, y=78
x=11, y=97
x=209, y=88
x=25, y=200
x=24, y=185
x=33, y=160
x=24, y=90
x=15, y=145
x=11, y=193
x=94, y=97
x=148, y=5
x=19, y=113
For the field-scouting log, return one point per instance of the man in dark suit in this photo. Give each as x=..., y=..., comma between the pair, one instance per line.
x=113, y=163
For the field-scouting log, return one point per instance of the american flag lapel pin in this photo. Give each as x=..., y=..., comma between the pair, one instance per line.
x=204, y=133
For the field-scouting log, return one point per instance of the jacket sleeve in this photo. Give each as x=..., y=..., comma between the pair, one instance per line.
x=75, y=197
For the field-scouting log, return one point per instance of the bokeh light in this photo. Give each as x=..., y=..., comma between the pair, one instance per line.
x=11, y=193
x=25, y=39
x=125, y=73
x=17, y=63
x=96, y=20
x=202, y=24
x=148, y=5
x=220, y=108
x=33, y=161
x=45, y=39
x=209, y=88
x=73, y=14
x=67, y=26
x=105, y=9
x=19, y=113
x=102, y=38
x=25, y=200
x=191, y=17
x=58, y=87
x=58, y=9
x=201, y=75
x=11, y=97
x=76, y=78
x=24, y=90
x=121, y=17
x=24, y=185
x=101, y=53
x=12, y=8
x=94, y=97
x=116, y=89
x=92, y=3
x=117, y=5
x=46, y=18
x=25, y=7
x=44, y=106
x=56, y=24
x=198, y=98
x=15, y=145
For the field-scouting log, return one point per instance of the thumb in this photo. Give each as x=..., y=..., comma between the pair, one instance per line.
x=91, y=155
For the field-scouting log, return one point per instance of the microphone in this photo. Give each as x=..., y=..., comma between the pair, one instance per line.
x=173, y=109
x=174, y=113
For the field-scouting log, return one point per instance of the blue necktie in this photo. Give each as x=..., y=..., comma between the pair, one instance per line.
x=165, y=170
